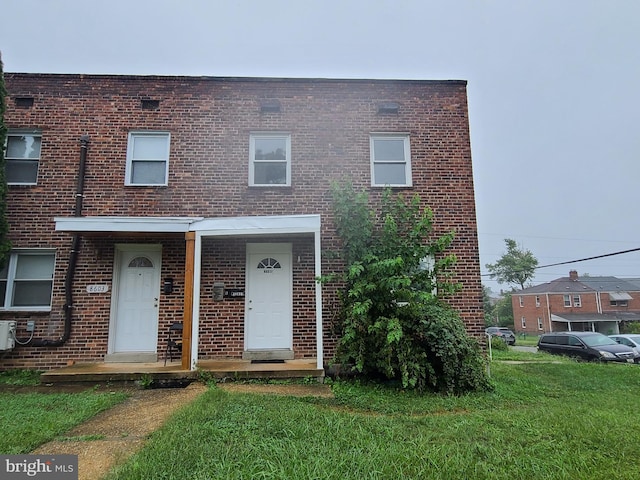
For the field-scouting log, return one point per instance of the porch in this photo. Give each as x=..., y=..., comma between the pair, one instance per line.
x=234, y=369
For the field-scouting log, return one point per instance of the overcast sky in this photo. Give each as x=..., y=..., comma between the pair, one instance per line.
x=553, y=90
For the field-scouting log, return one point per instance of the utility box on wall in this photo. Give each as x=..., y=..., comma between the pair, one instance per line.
x=7, y=334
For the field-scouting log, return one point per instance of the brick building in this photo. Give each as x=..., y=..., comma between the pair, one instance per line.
x=599, y=304
x=136, y=202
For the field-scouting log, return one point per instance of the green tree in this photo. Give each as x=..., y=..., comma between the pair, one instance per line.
x=503, y=311
x=394, y=323
x=5, y=244
x=487, y=306
x=516, y=267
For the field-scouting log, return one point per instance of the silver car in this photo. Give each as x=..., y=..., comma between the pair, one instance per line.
x=630, y=340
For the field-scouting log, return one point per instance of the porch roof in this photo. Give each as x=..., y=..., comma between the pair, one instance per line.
x=125, y=224
x=204, y=226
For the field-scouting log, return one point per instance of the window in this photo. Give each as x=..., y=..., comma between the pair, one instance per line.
x=567, y=300
x=390, y=161
x=576, y=301
x=537, y=300
x=523, y=322
x=619, y=303
x=22, y=158
x=521, y=299
x=26, y=281
x=539, y=323
x=270, y=160
x=147, y=158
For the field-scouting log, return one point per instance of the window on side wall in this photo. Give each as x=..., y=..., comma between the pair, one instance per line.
x=270, y=160
x=22, y=157
x=539, y=323
x=567, y=300
x=537, y=300
x=523, y=322
x=148, y=158
x=390, y=160
x=26, y=281
x=577, y=302
x=521, y=300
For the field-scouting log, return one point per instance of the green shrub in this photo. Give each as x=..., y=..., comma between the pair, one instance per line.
x=498, y=344
x=394, y=322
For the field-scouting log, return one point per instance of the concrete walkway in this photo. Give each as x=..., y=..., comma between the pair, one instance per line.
x=112, y=436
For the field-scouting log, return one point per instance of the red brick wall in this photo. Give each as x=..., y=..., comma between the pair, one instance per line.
x=210, y=120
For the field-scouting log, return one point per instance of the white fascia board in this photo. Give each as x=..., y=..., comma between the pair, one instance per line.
x=125, y=224
x=263, y=225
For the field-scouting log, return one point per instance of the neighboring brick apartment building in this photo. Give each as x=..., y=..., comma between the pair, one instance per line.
x=599, y=304
x=138, y=201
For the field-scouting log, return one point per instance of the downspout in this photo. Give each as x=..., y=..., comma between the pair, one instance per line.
x=73, y=257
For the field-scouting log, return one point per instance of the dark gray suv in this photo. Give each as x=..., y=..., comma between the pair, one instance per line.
x=585, y=346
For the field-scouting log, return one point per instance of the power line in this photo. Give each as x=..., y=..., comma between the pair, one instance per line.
x=579, y=260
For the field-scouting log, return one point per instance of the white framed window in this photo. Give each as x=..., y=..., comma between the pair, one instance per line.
x=521, y=300
x=523, y=322
x=147, y=158
x=390, y=160
x=270, y=160
x=22, y=157
x=567, y=300
x=26, y=281
x=537, y=300
x=577, y=302
x=539, y=323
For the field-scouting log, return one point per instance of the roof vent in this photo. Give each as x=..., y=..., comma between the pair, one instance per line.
x=148, y=104
x=270, y=106
x=24, y=102
x=388, y=108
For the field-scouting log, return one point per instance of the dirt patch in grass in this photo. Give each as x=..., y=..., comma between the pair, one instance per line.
x=294, y=390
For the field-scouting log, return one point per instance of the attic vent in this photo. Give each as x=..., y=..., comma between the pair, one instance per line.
x=270, y=106
x=24, y=102
x=388, y=108
x=150, y=104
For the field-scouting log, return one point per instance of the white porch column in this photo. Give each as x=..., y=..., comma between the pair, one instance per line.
x=195, y=322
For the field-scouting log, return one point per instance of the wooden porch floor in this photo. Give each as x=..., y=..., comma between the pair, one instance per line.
x=219, y=369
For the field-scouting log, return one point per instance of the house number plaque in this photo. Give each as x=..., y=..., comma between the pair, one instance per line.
x=97, y=288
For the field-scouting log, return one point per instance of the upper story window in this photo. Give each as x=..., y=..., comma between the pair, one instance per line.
x=22, y=157
x=577, y=302
x=148, y=158
x=270, y=159
x=567, y=300
x=521, y=300
x=390, y=160
x=26, y=281
x=537, y=300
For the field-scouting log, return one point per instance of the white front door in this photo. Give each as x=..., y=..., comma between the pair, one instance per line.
x=268, y=307
x=134, y=323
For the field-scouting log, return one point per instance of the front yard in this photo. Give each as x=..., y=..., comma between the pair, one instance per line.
x=543, y=421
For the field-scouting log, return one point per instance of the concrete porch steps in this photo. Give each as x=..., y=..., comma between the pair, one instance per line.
x=218, y=369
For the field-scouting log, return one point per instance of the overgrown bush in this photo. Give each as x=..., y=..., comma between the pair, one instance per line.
x=394, y=322
x=498, y=344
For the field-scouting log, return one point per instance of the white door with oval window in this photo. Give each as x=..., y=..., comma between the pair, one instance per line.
x=133, y=334
x=268, y=301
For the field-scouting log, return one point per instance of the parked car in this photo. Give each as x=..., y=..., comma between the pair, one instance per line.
x=504, y=333
x=632, y=341
x=586, y=346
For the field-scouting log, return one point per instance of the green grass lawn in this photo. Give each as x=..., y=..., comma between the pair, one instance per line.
x=31, y=419
x=563, y=420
